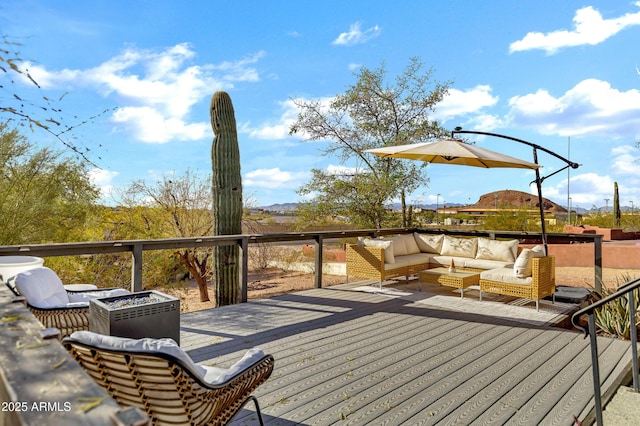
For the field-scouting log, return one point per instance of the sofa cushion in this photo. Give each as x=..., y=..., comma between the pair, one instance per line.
x=505, y=251
x=403, y=244
x=483, y=263
x=504, y=275
x=386, y=245
x=465, y=262
x=428, y=243
x=463, y=247
x=522, y=265
x=411, y=260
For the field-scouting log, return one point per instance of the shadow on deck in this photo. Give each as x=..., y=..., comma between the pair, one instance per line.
x=357, y=357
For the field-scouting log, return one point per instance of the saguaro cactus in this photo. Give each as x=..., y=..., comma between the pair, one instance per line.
x=227, y=197
x=616, y=206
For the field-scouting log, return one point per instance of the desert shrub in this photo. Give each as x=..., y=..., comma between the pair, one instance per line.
x=613, y=318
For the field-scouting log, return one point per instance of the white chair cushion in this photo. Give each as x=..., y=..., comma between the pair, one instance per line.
x=463, y=247
x=167, y=346
x=86, y=296
x=216, y=375
x=212, y=375
x=428, y=243
x=522, y=265
x=42, y=288
x=497, y=250
x=386, y=245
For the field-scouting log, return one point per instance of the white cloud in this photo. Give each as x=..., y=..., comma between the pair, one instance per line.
x=103, y=180
x=586, y=190
x=149, y=125
x=278, y=129
x=589, y=28
x=274, y=178
x=592, y=107
x=461, y=102
x=156, y=90
x=626, y=161
x=356, y=36
x=589, y=189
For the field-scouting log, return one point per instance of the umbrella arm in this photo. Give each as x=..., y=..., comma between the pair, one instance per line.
x=539, y=180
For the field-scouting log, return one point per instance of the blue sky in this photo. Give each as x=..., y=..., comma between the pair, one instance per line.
x=562, y=74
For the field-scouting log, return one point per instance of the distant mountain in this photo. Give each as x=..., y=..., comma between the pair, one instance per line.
x=516, y=199
x=281, y=207
x=510, y=197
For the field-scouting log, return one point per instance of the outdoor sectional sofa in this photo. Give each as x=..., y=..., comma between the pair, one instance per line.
x=503, y=267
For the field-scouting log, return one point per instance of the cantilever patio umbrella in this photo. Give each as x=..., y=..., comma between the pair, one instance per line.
x=453, y=151
x=456, y=151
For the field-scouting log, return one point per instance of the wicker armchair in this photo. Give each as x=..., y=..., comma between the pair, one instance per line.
x=543, y=282
x=52, y=304
x=165, y=382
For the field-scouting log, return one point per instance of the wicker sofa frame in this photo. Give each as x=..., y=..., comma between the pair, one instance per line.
x=543, y=282
x=368, y=262
x=167, y=390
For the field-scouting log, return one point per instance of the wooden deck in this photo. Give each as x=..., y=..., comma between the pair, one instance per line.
x=346, y=357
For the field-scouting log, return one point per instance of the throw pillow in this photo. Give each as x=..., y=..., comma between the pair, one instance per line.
x=522, y=266
x=463, y=247
x=497, y=250
x=428, y=243
x=403, y=244
x=386, y=245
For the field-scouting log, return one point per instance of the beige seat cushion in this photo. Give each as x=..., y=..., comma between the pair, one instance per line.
x=504, y=275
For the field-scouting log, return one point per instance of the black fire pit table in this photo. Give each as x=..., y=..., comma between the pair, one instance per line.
x=136, y=315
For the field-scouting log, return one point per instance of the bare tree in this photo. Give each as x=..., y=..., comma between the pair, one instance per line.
x=44, y=113
x=183, y=207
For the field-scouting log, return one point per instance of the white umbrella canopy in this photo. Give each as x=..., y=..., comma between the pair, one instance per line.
x=453, y=151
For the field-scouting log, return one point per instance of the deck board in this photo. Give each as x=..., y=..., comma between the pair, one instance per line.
x=347, y=357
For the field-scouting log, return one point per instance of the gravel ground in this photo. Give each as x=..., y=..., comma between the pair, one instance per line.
x=584, y=276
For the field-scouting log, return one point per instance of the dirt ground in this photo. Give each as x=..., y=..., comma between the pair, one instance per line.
x=262, y=284
x=272, y=282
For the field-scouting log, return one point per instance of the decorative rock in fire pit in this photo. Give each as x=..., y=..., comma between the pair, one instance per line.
x=137, y=315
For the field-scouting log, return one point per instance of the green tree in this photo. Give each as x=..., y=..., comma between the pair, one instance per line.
x=370, y=114
x=44, y=196
x=174, y=206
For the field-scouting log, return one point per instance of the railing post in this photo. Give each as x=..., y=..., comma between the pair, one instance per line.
x=136, y=268
x=244, y=268
x=597, y=261
x=595, y=368
x=318, y=260
x=633, y=333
